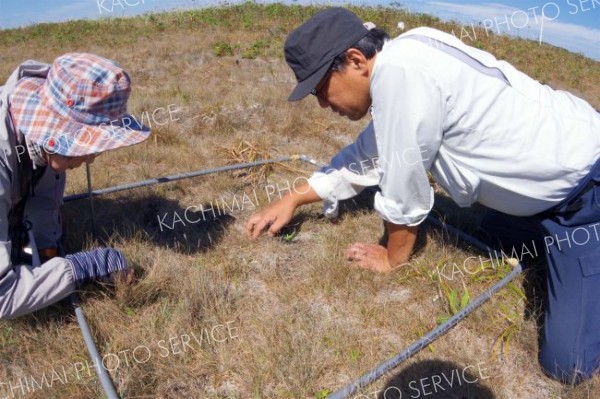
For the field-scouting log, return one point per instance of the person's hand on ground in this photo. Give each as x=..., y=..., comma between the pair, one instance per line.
x=370, y=256
x=274, y=217
x=98, y=264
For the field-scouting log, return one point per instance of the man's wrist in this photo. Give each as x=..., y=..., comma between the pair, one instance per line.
x=303, y=195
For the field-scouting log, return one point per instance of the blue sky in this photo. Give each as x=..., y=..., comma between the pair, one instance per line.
x=572, y=24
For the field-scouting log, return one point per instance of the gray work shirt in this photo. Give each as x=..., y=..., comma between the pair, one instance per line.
x=23, y=288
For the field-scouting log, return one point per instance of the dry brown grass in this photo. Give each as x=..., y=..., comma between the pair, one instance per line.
x=305, y=322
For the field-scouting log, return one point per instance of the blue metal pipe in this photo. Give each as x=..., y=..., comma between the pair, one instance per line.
x=414, y=348
x=180, y=176
x=105, y=380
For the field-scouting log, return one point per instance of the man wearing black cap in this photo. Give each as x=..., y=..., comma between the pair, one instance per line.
x=487, y=133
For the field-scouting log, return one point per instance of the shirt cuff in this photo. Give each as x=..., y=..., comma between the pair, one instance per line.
x=395, y=213
x=320, y=182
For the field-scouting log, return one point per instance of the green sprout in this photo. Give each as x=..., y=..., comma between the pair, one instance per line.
x=290, y=236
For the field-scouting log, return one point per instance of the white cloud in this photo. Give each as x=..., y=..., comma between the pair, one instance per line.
x=528, y=23
x=573, y=37
x=485, y=10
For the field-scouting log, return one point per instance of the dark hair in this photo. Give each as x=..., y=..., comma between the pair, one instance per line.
x=368, y=45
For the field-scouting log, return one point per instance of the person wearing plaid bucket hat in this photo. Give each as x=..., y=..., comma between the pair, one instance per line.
x=487, y=133
x=54, y=118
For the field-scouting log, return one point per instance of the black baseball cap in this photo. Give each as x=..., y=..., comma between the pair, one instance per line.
x=312, y=47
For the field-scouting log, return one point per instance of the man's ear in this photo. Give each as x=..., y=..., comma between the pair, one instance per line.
x=356, y=59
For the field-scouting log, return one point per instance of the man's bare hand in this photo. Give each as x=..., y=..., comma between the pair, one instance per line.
x=370, y=256
x=273, y=218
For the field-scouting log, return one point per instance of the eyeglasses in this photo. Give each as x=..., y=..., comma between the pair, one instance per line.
x=317, y=90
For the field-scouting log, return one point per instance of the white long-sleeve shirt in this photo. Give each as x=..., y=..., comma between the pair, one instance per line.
x=487, y=132
x=348, y=173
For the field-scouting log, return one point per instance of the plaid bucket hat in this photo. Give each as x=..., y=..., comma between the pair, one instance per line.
x=79, y=109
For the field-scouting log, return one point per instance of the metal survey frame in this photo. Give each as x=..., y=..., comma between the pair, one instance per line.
x=180, y=176
x=107, y=383
x=347, y=390
x=105, y=379
x=440, y=330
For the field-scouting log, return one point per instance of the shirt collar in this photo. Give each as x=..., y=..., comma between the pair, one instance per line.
x=36, y=154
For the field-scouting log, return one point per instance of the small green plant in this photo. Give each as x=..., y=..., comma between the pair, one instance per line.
x=247, y=21
x=255, y=49
x=276, y=10
x=7, y=336
x=221, y=49
x=290, y=236
x=455, y=304
x=502, y=343
x=354, y=355
x=323, y=393
x=152, y=18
